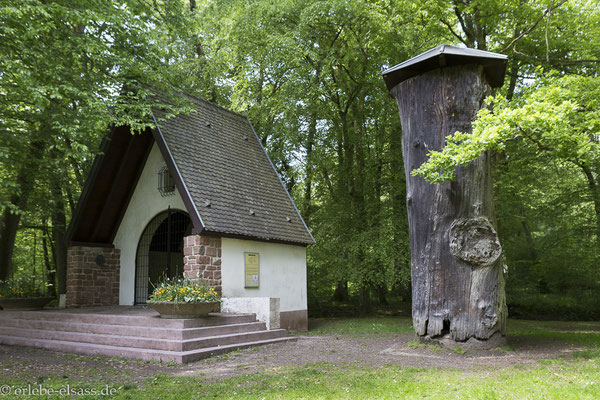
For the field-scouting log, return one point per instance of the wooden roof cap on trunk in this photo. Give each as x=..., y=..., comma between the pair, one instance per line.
x=444, y=55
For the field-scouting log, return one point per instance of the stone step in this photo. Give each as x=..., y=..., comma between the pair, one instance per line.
x=131, y=320
x=144, y=354
x=144, y=343
x=232, y=339
x=195, y=355
x=139, y=331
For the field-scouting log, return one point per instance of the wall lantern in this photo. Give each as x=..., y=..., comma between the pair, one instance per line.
x=166, y=184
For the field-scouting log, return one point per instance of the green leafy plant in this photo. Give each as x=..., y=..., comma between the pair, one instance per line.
x=20, y=288
x=183, y=291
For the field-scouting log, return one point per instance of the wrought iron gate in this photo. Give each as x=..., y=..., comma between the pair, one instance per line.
x=160, y=251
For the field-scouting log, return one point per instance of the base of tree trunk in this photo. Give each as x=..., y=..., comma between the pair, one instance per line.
x=497, y=340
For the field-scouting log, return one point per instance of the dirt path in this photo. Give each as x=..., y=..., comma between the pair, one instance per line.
x=371, y=350
x=376, y=350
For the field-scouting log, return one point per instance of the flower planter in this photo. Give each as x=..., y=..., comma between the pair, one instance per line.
x=24, y=303
x=168, y=309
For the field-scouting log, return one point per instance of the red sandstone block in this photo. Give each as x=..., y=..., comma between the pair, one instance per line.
x=211, y=251
x=202, y=240
x=199, y=250
x=204, y=260
x=219, y=253
x=187, y=251
x=216, y=262
x=217, y=274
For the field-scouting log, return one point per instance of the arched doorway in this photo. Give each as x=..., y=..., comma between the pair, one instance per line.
x=160, y=251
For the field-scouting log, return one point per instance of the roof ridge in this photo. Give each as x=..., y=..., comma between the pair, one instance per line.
x=210, y=103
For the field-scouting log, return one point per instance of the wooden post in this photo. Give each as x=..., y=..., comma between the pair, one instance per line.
x=456, y=258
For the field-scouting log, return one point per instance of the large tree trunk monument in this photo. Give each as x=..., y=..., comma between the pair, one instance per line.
x=456, y=258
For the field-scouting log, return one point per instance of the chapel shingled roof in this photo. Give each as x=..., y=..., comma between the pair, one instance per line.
x=228, y=175
x=226, y=180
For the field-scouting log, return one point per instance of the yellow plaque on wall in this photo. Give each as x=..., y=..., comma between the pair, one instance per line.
x=252, y=269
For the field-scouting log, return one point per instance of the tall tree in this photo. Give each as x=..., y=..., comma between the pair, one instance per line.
x=69, y=70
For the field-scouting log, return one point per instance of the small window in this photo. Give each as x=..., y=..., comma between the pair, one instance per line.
x=166, y=184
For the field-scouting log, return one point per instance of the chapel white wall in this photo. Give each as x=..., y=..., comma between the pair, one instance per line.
x=145, y=204
x=282, y=272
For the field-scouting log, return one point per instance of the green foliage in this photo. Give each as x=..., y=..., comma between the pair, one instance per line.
x=559, y=115
x=180, y=290
x=71, y=70
x=21, y=287
x=308, y=76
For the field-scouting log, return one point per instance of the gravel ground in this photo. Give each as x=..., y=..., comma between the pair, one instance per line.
x=370, y=350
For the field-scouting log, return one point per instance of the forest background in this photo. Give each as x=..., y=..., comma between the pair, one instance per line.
x=308, y=75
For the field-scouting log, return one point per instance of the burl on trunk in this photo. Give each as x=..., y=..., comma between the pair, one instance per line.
x=456, y=258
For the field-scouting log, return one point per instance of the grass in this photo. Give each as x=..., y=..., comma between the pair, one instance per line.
x=576, y=376
x=359, y=326
x=416, y=344
x=575, y=333
x=553, y=379
x=325, y=381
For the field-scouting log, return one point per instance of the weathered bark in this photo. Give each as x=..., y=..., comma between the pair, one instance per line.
x=456, y=257
x=364, y=302
x=382, y=291
x=341, y=291
x=59, y=223
x=312, y=133
x=399, y=217
x=50, y=273
x=9, y=222
x=529, y=238
x=512, y=84
x=594, y=192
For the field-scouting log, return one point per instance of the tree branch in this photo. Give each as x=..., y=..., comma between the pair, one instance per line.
x=463, y=25
x=547, y=28
x=452, y=31
x=532, y=27
x=556, y=60
x=539, y=144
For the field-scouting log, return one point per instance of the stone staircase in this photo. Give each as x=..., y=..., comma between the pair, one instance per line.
x=147, y=337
